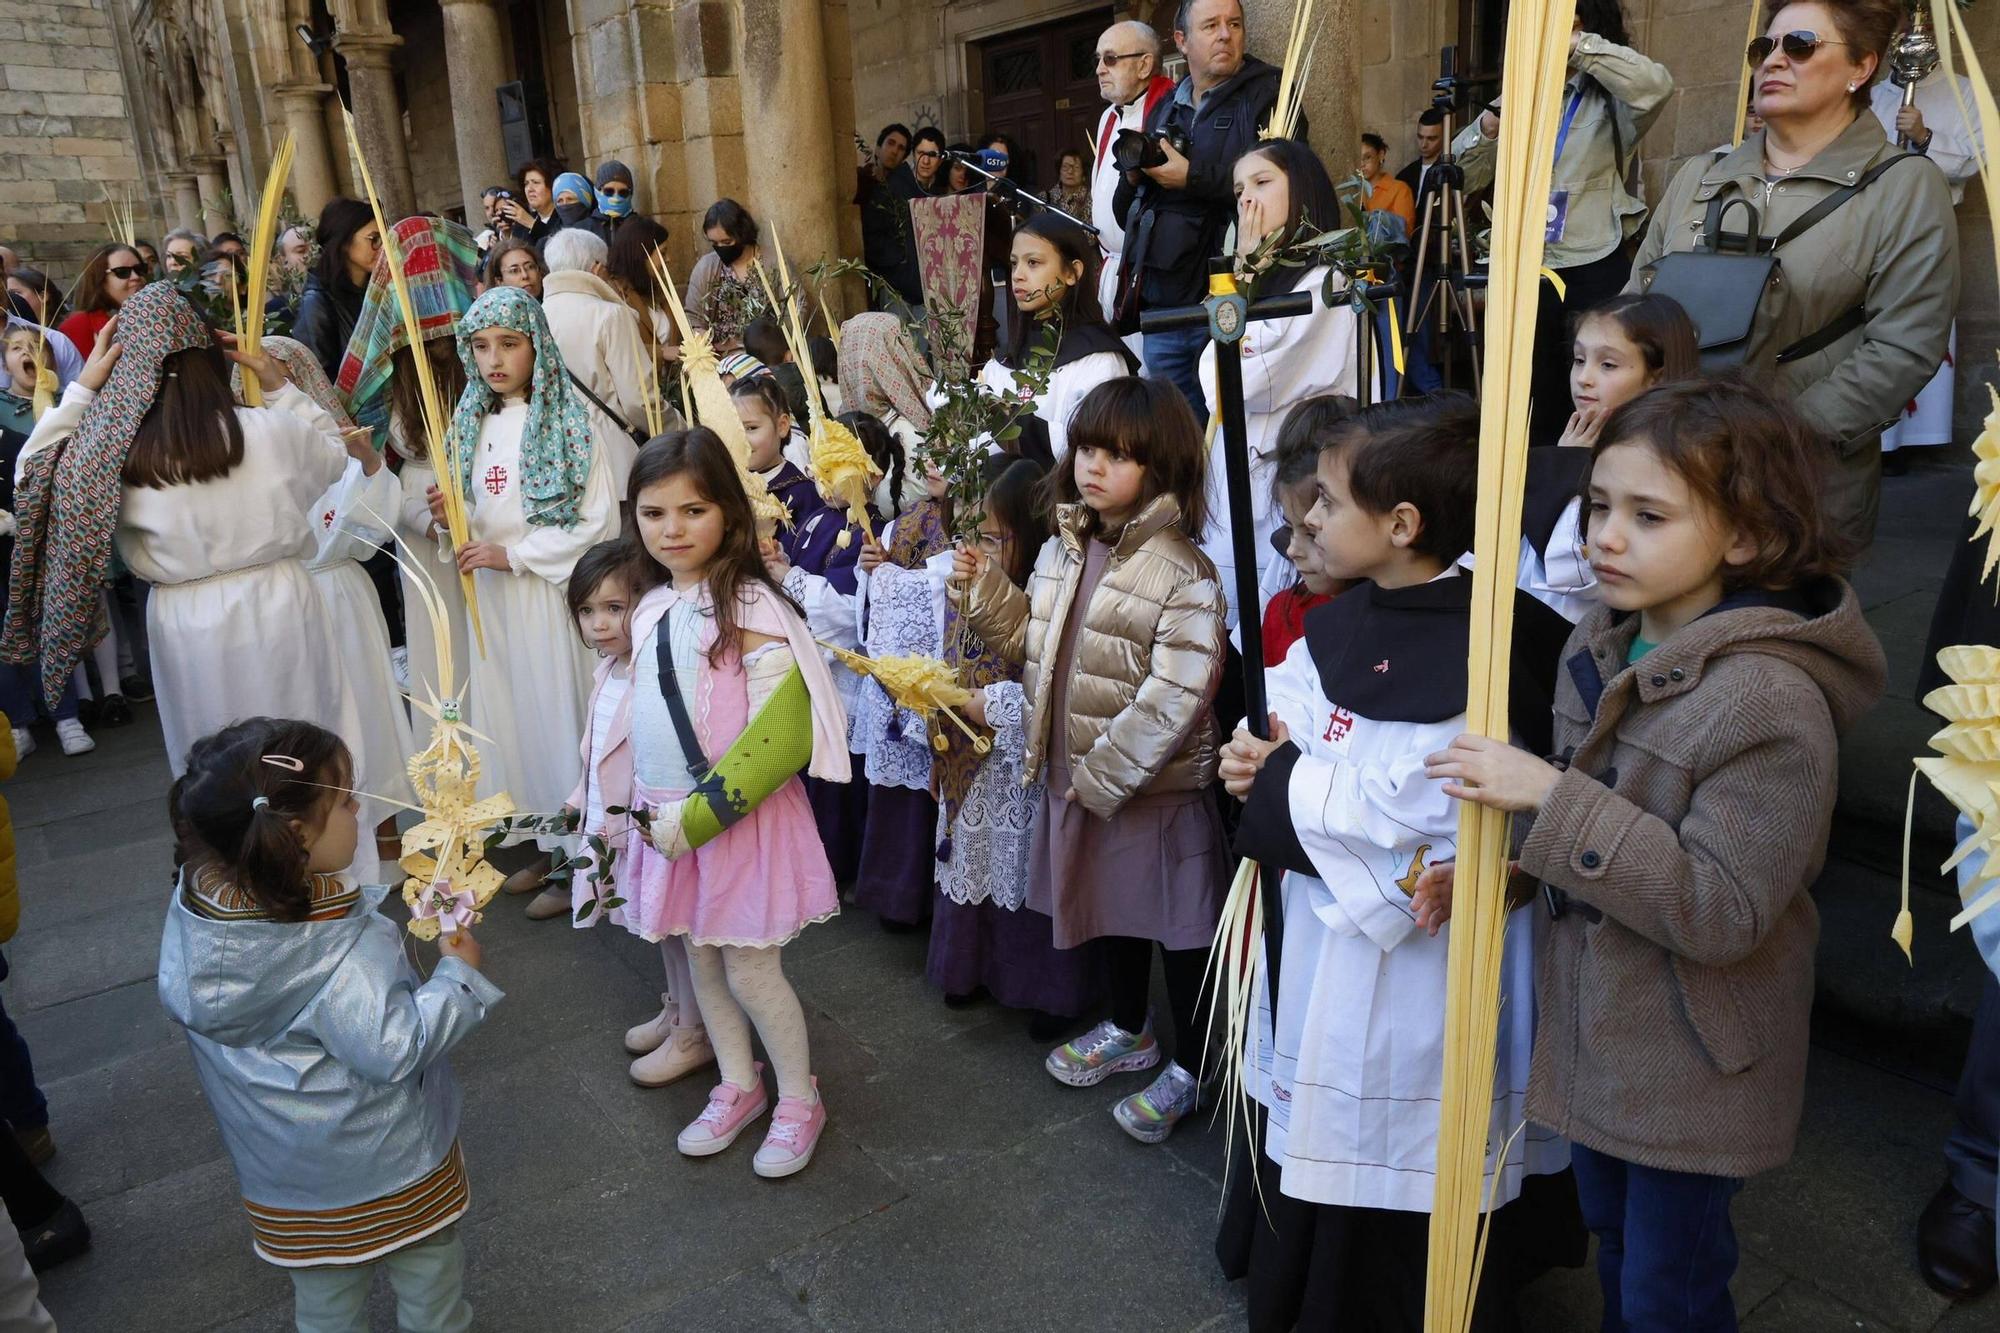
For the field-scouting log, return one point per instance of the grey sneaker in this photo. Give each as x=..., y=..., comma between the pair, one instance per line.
x=1105, y=1050
x=1151, y=1115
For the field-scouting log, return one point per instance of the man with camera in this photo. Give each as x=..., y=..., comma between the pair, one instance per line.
x=1129, y=80
x=1176, y=198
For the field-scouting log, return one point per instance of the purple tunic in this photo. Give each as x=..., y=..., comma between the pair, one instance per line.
x=801, y=499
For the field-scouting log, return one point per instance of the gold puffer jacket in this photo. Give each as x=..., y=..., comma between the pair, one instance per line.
x=1147, y=660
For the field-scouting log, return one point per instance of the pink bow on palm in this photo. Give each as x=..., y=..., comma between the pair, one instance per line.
x=453, y=911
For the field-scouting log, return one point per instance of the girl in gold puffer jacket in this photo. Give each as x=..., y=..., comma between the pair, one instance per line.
x=1121, y=628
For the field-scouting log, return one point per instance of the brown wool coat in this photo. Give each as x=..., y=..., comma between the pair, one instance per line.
x=1147, y=660
x=1693, y=816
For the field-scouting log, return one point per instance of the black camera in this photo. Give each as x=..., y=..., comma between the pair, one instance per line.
x=1135, y=150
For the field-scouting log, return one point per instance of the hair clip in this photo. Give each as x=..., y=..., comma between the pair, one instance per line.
x=286, y=762
x=260, y=803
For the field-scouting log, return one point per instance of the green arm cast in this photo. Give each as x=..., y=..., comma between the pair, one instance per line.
x=774, y=747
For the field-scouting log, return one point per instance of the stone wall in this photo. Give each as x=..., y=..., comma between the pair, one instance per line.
x=427, y=114
x=65, y=138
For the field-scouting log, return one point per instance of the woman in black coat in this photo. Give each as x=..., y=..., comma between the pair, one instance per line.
x=349, y=243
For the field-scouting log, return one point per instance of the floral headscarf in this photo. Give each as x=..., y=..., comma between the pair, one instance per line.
x=556, y=443
x=68, y=498
x=302, y=369
x=441, y=271
x=881, y=369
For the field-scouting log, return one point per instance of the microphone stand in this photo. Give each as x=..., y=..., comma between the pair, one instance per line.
x=1008, y=189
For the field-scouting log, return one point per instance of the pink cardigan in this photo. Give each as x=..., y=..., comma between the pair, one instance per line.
x=613, y=777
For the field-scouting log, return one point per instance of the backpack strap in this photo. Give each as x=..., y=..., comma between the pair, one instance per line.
x=670, y=690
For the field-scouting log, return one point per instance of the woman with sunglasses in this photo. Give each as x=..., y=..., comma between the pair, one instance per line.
x=112, y=276
x=1863, y=300
x=1612, y=97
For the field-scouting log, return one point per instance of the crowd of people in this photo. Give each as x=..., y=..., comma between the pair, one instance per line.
x=652, y=681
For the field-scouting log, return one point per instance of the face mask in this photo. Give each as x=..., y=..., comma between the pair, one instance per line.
x=730, y=253
x=571, y=214
x=614, y=205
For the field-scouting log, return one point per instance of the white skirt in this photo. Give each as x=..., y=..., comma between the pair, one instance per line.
x=1926, y=420
x=383, y=747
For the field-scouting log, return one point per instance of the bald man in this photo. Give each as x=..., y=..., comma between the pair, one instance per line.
x=1130, y=82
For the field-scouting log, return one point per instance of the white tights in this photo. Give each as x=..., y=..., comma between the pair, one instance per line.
x=680, y=983
x=738, y=987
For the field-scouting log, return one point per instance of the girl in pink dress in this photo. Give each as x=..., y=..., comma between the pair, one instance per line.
x=711, y=647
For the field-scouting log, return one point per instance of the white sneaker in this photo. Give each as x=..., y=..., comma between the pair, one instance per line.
x=75, y=740
x=399, y=666
x=24, y=743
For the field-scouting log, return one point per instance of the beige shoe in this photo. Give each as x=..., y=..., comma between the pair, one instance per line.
x=529, y=877
x=652, y=1034
x=684, y=1051
x=550, y=903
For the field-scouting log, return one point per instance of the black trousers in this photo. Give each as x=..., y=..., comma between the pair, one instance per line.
x=1129, y=965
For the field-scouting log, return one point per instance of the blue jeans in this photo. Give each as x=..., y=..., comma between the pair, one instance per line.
x=1174, y=357
x=1419, y=356
x=1665, y=1246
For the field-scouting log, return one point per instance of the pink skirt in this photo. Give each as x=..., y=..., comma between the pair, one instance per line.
x=760, y=883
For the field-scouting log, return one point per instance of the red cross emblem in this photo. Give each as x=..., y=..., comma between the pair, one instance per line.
x=496, y=479
x=326, y=519
x=1338, y=724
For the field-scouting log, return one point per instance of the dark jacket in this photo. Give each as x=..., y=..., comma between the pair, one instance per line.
x=1171, y=234
x=888, y=240
x=326, y=321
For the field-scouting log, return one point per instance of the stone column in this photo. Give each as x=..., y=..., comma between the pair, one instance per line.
x=187, y=201
x=209, y=181
x=788, y=126
x=476, y=64
x=378, y=118
x=312, y=164
x=1332, y=102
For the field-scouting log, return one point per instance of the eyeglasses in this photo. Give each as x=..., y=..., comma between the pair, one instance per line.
x=520, y=272
x=1112, y=58
x=993, y=543
x=1798, y=46
x=127, y=271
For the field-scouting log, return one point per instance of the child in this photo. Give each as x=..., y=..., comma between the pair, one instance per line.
x=1624, y=347
x=320, y=1047
x=539, y=495
x=894, y=474
x=1697, y=722
x=724, y=668
x=1283, y=196
x=608, y=582
x=767, y=421
x=1338, y=800
x=20, y=684
x=984, y=936
x=826, y=369
x=1301, y=577
x=1052, y=289
x=1121, y=630
x=210, y=499
x=764, y=340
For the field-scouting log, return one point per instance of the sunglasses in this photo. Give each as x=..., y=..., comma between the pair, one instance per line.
x=1111, y=58
x=127, y=271
x=614, y=191
x=1798, y=46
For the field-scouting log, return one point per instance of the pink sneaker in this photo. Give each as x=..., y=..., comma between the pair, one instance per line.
x=729, y=1110
x=794, y=1133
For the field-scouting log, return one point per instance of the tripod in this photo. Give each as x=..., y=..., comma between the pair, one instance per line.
x=1444, y=221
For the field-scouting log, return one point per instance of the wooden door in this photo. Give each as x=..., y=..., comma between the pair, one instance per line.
x=1039, y=86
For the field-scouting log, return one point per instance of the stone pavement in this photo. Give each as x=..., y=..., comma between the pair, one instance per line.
x=958, y=1186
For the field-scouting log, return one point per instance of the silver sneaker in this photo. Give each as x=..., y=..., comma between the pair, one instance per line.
x=1151, y=1115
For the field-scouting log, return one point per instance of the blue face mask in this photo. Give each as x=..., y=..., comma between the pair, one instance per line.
x=614, y=205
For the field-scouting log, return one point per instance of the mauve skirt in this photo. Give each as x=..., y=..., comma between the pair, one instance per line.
x=898, y=864
x=1014, y=956
x=840, y=811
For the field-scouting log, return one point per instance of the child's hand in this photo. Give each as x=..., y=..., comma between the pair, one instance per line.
x=975, y=708
x=775, y=563
x=1243, y=758
x=872, y=555
x=360, y=444
x=1432, y=900
x=483, y=555
x=1493, y=773
x=1581, y=433
x=967, y=564
x=269, y=371
x=104, y=354
x=460, y=945
x=435, y=499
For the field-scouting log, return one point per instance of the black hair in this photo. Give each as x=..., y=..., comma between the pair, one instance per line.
x=763, y=339
x=894, y=127
x=245, y=788
x=1315, y=207
x=932, y=134
x=884, y=448
x=1017, y=494
x=733, y=218
x=215, y=241
x=1423, y=452
x=338, y=223
x=766, y=390
x=825, y=358
x=1431, y=116
x=548, y=168
x=1370, y=139
x=1072, y=245
x=606, y=560
x=1308, y=427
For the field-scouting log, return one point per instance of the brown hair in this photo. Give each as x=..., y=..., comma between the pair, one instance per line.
x=406, y=410
x=1658, y=326
x=497, y=258
x=700, y=454
x=1423, y=452
x=1148, y=421
x=1750, y=459
x=90, y=294
x=1867, y=26
x=191, y=432
x=617, y=559
x=234, y=809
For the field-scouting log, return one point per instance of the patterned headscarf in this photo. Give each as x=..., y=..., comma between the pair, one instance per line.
x=441, y=270
x=577, y=186
x=68, y=498
x=302, y=368
x=881, y=369
x=556, y=443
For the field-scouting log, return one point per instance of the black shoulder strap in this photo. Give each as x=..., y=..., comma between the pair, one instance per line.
x=604, y=407
x=670, y=690
x=1854, y=316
